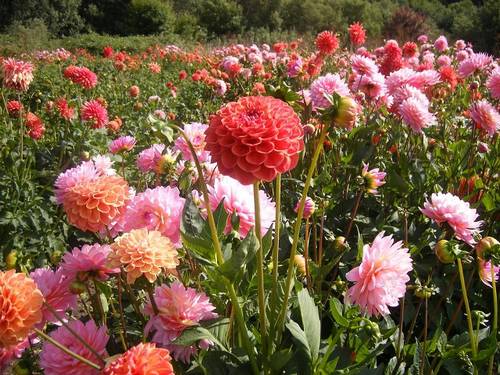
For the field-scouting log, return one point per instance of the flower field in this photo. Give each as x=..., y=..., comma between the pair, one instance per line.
x=297, y=208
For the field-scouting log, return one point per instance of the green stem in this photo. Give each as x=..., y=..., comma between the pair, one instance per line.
x=296, y=229
x=276, y=244
x=467, y=308
x=66, y=350
x=495, y=315
x=354, y=212
x=99, y=303
x=260, y=269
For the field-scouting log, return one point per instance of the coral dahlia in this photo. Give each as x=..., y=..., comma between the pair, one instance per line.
x=94, y=112
x=327, y=42
x=81, y=75
x=142, y=359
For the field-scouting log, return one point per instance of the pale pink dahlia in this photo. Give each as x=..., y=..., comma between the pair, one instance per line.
x=157, y=209
x=441, y=43
x=373, y=178
x=122, y=144
x=493, y=83
x=450, y=209
x=485, y=272
x=195, y=132
x=486, y=116
x=94, y=112
x=11, y=353
x=380, y=279
x=238, y=199
x=147, y=159
x=54, y=286
x=327, y=84
x=416, y=114
x=82, y=173
x=363, y=66
x=55, y=362
x=88, y=262
x=372, y=86
x=474, y=63
x=179, y=308
x=17, y=74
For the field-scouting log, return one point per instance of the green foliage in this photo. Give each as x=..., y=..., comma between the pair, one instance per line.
x=220, y=16
x=150, y=17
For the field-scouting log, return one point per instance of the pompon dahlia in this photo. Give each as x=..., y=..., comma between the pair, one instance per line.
x=493, y=83
x=357, y=34
x=441, y=43
x=93, y=205
x=142, y=359
x=327, y=42
x=122, y=144
x=373, y=179
x=20, y=307
x=328, y=84
x=55, y=362
x=255, y=138
x=81, y=75
x=196, y=135
x=157, y=209
x=416, y=114
x=486, y=116
x=54, y=286
x=11, y=353
x=95, y=113
x=17, y=74
x=450, y=209
x=143, y=252
x=380, y=279
x=89, y=262
x=238, y=199
x=474, y=63
x=178, y=309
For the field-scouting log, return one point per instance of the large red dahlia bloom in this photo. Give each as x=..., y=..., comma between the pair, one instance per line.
x=255, y=138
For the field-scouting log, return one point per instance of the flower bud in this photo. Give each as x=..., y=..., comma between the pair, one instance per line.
x=483, y=148
x=339, y=244
x=309, y=207
x=85, y=156
x=347, y=112
x=134, y=91
x=443, y=252
x=137, y=106
x=11, y=260
x=484, y=247
x=309, y=129
x=300, y=263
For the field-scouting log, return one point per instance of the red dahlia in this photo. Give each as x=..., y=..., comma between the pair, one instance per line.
x=357, y=34
x=255, y=138
x=327, y=42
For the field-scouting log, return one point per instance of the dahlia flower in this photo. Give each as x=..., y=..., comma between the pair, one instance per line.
x=34, y=125
x=327, y=42
x=81, y=75
x=20, y=307
x=357, y=34
x=373, y=178
x=450, y=209
x=485, y=272
x=347, y=113
x=363, y=66
x=54, y=286
x=486, y=116
x=104, y=165
x=17, y=74
x=373, y=86
x=95, y=113
x=410, y=50
x=88, y=262
x=154, y=68
x=157, y=209
x=134, y=91
x=143, y=252
x=255, y=138
x=415, y=114
x=238, y=199
x=441, y=44
x=142, y=359
x=392, y=58
x=328, y=84
x=122, y=144
x=195, y=132
x=14, y=108
x=309, y=207
x=65, y=111
x=472, y=64
x=93, y=205
x=380, y=280
x=493, y=83
x=178, y=308
x=146, y=161
x=11, y=353
x=55, y=362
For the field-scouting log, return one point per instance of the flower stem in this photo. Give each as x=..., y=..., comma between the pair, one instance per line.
x=276, y=243
x=353, y=214
x=467, y=307
x=149, y=289
x=306, y=256
x=66, y=350
x=495, y=315
x=296, y=229
x=260, y=268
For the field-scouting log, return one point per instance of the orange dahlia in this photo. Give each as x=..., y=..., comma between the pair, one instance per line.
x=93, y=205
x=144, y=359
x=20, y=307
x=143, y=252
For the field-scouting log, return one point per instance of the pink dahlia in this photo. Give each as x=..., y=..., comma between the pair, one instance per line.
x=14, y=108
x=485, y=272
x=372, y=86
x=82, y=173
x=416, y=114
x=486, y=116
x=178, y=308
x=95, y=113
x=11, y=353
x=373, y=178
x=380, y=279
x=157, y=209
x=17, y=74
x=493, y=83
x=450, y=209
x=474, y=63
x=65, y=111
x=122, y=144
x=441, y=44
x=195, y=132
x=89, y=262
x=238, y=199
x=55, y=362
x=147, y=159
x=327, y=84
x=81, y=75
x=363, y=66
x=55, y=289
x=309, y=207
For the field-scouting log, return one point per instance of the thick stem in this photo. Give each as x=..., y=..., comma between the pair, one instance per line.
x=66, y=350
x=306, y=255
x=260, y=269
x=353, y=214
x=495, y=315
x=296, y=229
x=99, y=303
x=276, y=243
x=467, y=308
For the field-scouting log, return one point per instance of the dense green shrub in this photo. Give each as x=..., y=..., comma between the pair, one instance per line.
x=150, y=17
x=220, y=16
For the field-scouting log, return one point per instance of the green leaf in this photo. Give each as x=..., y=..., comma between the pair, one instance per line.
x=300, y=337
x=336, y=311
x=195, y=334
x=311, y=322
x=234, y=267
x=195, y=232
